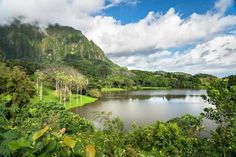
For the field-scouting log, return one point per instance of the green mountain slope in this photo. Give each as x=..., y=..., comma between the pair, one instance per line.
x=54, y=45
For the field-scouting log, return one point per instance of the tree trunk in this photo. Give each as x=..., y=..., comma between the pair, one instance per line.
x=60, y=88
x=77, y=97
x=37, y=86
x=41, y=91
x=56, y=86
x=70, y=93
x=81, y=96
x=65, y=95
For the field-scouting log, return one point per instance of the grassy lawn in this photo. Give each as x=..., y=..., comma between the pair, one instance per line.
x=113, y=89
x=49, y=95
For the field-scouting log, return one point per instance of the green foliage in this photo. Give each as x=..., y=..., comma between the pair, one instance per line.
x=165, y=79
x=94, y=93
x=69, y=142
x=223, y=113
x=39, y=133
x=190, y=125
x=48, y=130
x=19, y=87
x=18, y=144
x=4, y=71
x=164, y=139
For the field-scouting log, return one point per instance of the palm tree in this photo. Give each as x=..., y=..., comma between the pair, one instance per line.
x=81, y=83
x=70, y=82
x=40, y=78
x=59, y=77
x=65, y=80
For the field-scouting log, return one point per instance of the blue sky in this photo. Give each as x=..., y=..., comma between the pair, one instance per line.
x=127, y=13
x=193, y=36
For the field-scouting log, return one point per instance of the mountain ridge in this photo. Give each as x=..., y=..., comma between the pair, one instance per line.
x=28, y=42
x=55, y=45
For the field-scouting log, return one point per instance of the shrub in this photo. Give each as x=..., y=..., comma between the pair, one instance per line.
x=94, y=93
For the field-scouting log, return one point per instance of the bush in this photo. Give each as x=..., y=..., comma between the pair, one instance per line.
x=94, y=93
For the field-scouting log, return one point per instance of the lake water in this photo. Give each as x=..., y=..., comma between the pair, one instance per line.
x=146, y=106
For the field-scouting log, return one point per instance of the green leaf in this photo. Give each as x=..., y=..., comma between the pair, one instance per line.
x=77, y=149
x=39, y=133
x=69, y=142
x=50, y=147
x=20, y=143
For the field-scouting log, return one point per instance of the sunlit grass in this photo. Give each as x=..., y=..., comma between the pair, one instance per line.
x=49, y=95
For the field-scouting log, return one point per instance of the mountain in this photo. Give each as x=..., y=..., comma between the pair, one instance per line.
x=32, y=48
x=54, y=45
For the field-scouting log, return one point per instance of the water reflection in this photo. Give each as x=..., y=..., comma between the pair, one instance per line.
x=145, y=107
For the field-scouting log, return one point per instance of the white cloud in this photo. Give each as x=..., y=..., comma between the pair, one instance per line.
x=157, y=31
x=223, y=5
x=112, y=3
x=76, y=13
x=217, y=56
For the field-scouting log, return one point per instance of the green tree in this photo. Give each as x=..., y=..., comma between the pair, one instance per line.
x=19, y=87
x=223, y=113
x=4, y=72
x=103, y=71
x=40, y=78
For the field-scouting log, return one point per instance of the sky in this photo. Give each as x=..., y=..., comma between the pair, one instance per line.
x=193, y=36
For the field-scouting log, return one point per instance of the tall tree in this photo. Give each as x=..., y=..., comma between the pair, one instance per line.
x=81, y=83
x=19, y=87
x=40, y=78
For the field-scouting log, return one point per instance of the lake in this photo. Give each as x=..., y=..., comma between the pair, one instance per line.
x=146, y=106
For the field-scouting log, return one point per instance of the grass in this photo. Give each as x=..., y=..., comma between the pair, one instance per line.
x=113, y=89
x=49, y=95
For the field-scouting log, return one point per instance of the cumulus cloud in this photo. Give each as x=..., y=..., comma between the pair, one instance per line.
x=157, y=31
x=217, y=56
x=66, y=12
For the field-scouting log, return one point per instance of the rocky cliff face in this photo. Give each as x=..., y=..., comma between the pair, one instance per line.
x=55, y=44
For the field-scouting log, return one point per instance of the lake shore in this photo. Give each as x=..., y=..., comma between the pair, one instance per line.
x=105, y=90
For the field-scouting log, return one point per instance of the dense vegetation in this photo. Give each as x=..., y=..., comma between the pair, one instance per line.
x=45, y=72
x=47, y=129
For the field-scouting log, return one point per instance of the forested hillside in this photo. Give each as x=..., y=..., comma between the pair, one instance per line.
x=53, y=45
